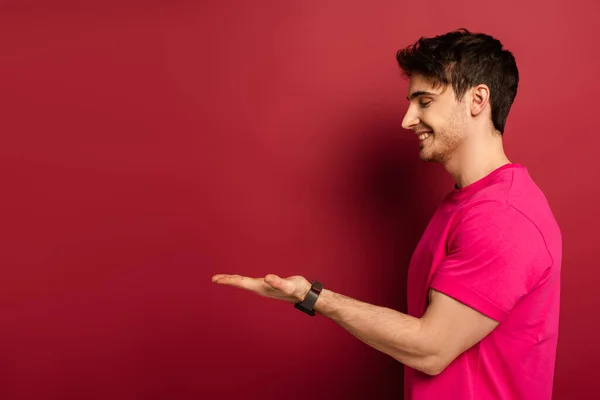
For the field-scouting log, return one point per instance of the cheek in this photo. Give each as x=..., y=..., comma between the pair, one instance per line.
x=446, y=120
x=433, y=121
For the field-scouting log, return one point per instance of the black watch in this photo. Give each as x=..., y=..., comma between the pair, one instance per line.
x=311, y=298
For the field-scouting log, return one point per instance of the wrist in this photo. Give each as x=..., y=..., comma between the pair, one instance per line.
x=309, y=295
x=304, y=292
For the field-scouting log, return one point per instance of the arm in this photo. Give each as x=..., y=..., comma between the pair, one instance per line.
x=427, y=344
x=489, y=266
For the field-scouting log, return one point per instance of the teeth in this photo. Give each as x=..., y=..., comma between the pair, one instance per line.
x=424, y=136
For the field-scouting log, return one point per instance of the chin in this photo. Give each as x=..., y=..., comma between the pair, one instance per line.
x=431, y=157
x=426, y=156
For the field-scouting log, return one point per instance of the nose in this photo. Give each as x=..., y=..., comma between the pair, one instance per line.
x=411, y=118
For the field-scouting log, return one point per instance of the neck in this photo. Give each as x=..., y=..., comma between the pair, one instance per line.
x=476, y=159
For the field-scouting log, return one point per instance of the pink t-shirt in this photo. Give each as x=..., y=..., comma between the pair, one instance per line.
x=495, y=246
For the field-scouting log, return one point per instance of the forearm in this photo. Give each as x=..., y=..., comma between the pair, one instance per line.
x=399, y=335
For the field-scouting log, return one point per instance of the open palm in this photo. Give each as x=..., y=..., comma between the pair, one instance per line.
x=292, y=289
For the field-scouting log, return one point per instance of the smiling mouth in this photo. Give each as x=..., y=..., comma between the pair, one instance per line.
x=424, y=135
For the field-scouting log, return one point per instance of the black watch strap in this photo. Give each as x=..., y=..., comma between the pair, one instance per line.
x=307, y=305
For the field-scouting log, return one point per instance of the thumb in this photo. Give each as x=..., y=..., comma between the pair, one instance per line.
x=277, y=282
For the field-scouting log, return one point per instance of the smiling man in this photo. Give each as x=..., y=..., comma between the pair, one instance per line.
x=484, y=281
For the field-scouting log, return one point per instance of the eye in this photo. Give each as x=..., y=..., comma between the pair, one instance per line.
x=424, y=104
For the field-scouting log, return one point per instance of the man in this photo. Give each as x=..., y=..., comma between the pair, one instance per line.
x=484, y=281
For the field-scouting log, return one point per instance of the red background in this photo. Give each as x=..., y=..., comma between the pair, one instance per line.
x=149, y=145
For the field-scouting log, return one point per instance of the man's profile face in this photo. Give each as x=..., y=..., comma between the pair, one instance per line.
x=437, y=117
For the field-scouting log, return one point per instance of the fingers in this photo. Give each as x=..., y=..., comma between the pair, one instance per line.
x=242, y=282
x=218, y=277
x=254, y=284
x=226, y=278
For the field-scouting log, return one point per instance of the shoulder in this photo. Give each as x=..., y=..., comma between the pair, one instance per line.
x=496, y=212
x=498, y=225
x=511, y=199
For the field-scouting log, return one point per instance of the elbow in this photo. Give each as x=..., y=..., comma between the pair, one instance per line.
x=435, y=355
x=431, y=365
x=429, y=354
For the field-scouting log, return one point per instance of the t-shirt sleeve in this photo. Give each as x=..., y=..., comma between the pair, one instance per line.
x=495, y=256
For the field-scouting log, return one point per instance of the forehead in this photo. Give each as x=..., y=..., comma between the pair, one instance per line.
x=418, y=84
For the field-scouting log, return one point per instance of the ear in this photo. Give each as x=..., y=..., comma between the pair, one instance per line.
x=480, y=97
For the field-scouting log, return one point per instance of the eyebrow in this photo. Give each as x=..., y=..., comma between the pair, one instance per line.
x=420, y=93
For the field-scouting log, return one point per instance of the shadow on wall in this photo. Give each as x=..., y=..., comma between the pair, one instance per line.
x=393, y=193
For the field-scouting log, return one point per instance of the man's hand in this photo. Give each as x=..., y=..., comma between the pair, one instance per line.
x=292, y=289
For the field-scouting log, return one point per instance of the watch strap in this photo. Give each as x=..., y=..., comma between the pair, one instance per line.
x=307, y=305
